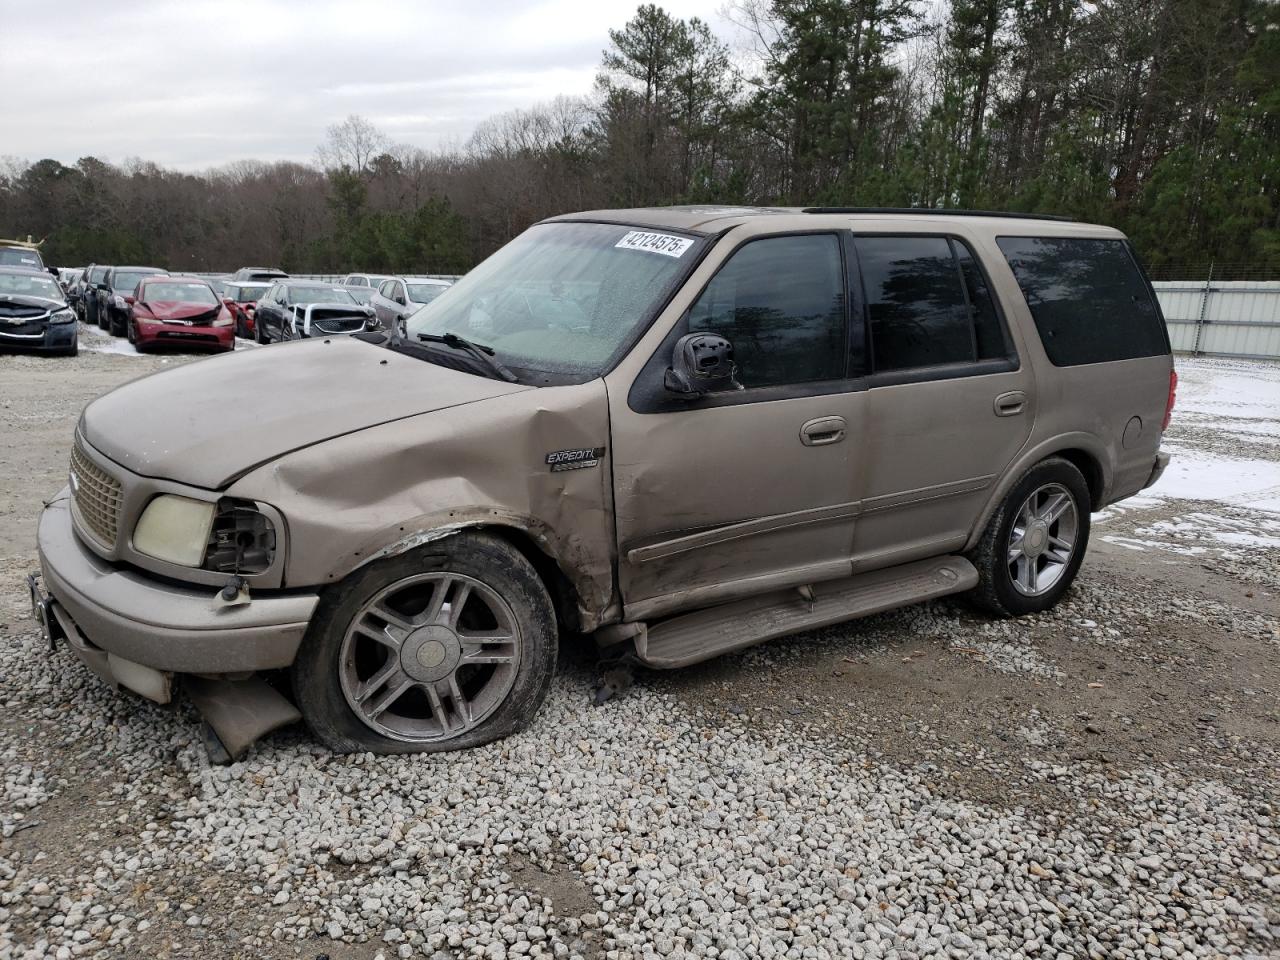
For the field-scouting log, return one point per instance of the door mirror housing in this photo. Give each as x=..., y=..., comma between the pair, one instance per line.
x=701, y=363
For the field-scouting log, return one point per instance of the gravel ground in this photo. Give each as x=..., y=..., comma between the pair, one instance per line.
x=1098, y=781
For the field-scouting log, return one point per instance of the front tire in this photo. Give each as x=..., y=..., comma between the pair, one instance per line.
x=1033, y=546
x=446, y=647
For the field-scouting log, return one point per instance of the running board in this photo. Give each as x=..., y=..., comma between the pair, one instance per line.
x=692, y=637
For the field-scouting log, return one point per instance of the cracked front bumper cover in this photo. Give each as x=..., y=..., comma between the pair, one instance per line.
x=157, y=623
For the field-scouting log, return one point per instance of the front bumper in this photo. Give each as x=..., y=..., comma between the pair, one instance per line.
x=159, y=624
x=55, y=336
x=181, y=335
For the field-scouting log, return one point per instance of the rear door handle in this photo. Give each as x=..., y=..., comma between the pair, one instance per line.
x=1010, y=404
x=822, y=431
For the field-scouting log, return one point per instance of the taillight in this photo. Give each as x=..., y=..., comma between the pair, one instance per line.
x=1173, y=396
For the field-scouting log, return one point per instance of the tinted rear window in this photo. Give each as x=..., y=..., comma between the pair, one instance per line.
x=1089, y=301
x=927, y=303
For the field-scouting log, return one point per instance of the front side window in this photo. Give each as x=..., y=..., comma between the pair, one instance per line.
x=780, y=302
x=1089, y=301
x=387, y=289
x=563, y=299
x=927, y=303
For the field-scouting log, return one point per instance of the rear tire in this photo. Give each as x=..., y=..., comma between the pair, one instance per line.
x=1034, y=544
x=447, y=647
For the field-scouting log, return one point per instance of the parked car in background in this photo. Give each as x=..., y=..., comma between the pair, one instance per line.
x=185, y=312
x=34, y=313
x=216, y=283
x=241, y=298
x=398, y=298
x=259, y=273
x=67, y=276
x=118, y=286
x=19, y=253
x=282, y=313
x=72, y=288
x=90, y=296
x=367, y=280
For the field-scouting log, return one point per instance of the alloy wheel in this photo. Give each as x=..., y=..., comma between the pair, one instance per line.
x=430, y=657
x=1042, y=540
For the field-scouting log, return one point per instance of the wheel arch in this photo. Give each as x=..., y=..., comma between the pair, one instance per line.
x=570, y=584
x=1084, y=451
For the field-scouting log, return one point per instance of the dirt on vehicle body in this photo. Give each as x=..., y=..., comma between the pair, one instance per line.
x=684, y=431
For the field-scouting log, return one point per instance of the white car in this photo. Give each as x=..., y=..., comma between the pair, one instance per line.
x=398, y=298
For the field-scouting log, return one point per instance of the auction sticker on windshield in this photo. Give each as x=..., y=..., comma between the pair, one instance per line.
x=662, y=243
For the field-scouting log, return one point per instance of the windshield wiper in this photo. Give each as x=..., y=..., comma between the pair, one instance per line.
x=479, y=351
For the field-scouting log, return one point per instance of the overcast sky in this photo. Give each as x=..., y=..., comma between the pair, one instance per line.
x=197, y=83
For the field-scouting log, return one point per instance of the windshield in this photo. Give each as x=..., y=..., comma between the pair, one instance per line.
x=562, y=298
x=126, y=280
x=425, y=292
x=36, y=285
x=20, y=257
x=305, y=295
x=179, y=292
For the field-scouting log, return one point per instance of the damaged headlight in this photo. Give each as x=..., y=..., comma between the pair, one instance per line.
x=230, y=536
x=242, y=540
x=62, y=316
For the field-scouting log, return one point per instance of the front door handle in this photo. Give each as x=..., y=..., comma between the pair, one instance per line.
x=1010, y=404
x=822, y=431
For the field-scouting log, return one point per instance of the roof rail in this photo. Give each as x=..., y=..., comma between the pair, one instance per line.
x=942, y=211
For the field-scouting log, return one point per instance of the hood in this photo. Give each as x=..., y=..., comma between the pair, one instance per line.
x=179, y=310
x=21, y=306
x=209, y=422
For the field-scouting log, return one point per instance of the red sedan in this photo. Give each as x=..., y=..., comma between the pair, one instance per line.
x=181, y=312
x=241, y=298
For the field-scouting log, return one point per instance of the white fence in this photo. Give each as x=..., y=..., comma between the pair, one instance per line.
x=1218, y=318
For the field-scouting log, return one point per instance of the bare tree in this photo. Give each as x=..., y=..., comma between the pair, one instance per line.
x=353, y=143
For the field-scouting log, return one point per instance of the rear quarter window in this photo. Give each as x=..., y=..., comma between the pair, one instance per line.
x=1089, y=300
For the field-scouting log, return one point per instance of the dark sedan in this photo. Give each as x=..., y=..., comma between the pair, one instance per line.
x=290, y=310
x=115, y=295
x=34, y=314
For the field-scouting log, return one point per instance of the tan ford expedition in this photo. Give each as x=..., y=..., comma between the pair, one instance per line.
x=672, y=432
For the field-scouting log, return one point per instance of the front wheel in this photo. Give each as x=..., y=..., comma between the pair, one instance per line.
x=447, y=647
x=1035, y=542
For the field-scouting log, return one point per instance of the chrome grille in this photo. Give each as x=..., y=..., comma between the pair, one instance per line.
x=97, y=497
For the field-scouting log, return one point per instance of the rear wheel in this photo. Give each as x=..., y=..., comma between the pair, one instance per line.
x=446, y=647
x=1034, y=544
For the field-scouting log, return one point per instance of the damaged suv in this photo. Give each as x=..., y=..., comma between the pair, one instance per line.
x=909, y=404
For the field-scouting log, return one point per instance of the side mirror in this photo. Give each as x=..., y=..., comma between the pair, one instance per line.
x=701, y=363
x=130, y=299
